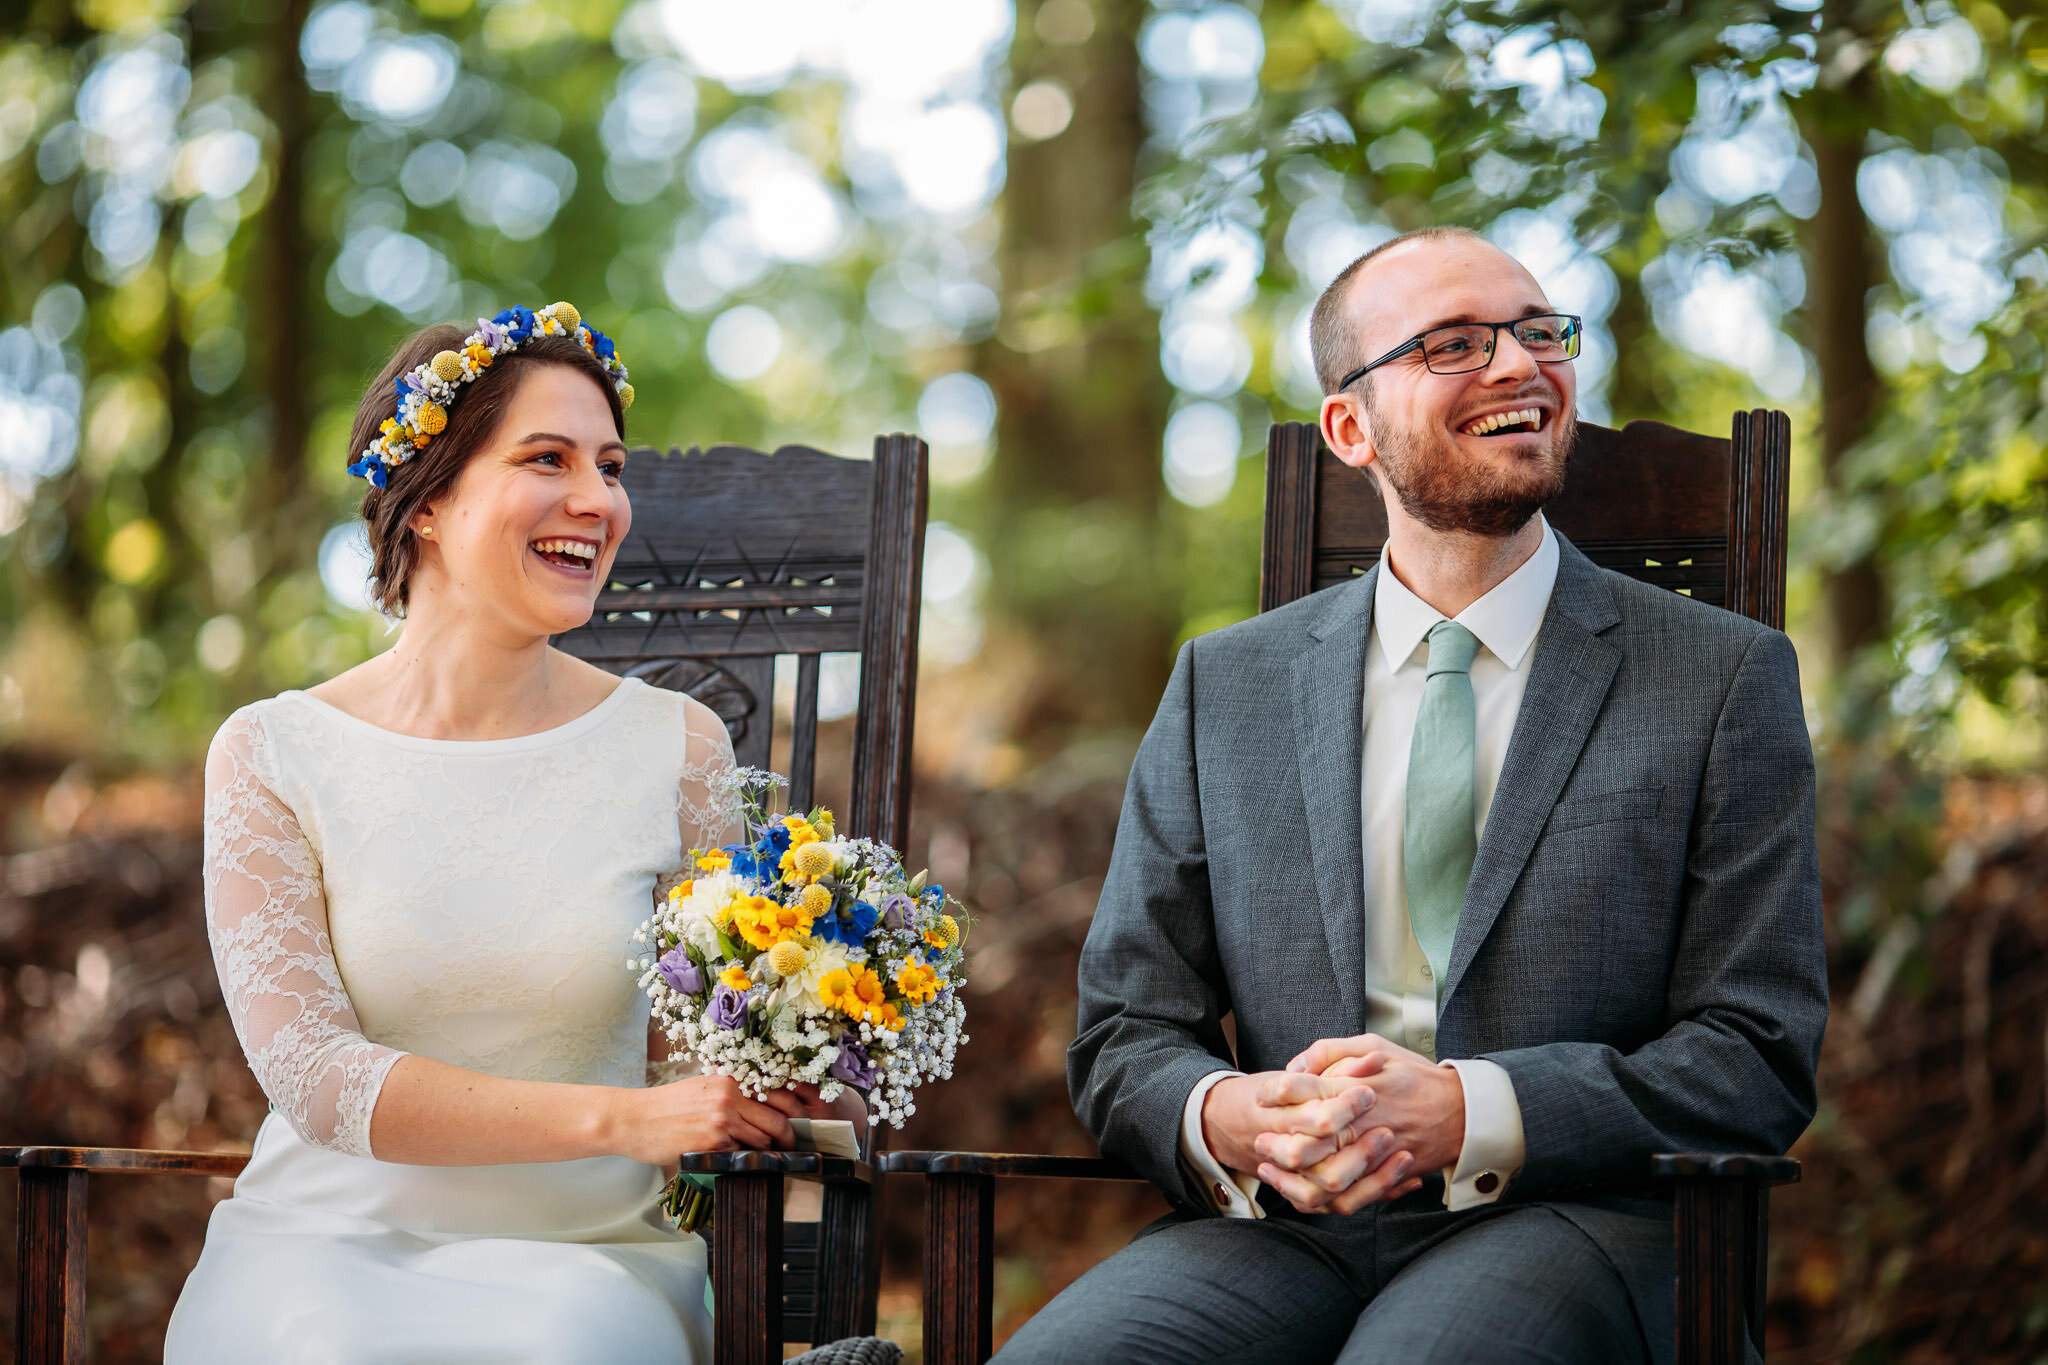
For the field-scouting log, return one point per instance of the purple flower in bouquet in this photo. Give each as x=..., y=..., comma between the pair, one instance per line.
x=896, y=910
x=681, y=974
x=728, y=1008
x=852, y=1064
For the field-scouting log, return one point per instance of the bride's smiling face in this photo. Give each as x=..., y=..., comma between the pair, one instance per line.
x=527, y=533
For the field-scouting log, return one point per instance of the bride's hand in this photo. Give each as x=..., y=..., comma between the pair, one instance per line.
x=699, y=1114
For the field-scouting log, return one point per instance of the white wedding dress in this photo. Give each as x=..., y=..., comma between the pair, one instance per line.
x=371, y=894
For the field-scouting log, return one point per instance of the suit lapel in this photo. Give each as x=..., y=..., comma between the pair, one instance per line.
x=1329, y=709
x=1568, y=682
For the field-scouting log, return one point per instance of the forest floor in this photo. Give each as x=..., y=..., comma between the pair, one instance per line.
x=1919, y=1234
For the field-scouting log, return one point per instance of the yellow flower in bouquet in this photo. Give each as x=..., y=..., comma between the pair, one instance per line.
x=810, y=861
x=917, y=981
x=736, y=977
x=717, y=860
x=856, y=992
x=763, y=923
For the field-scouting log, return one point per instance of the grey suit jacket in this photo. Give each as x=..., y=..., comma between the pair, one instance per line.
x=1640, y=945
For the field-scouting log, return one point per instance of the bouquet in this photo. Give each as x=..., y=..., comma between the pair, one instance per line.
x=798, y=956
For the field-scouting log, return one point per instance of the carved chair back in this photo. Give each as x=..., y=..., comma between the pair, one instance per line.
x=736, y=558
x=1697, y=514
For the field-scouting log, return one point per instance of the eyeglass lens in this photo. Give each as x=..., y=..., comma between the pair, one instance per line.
x=1462, y=347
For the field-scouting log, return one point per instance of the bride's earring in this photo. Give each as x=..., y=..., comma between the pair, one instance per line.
x=426, y=530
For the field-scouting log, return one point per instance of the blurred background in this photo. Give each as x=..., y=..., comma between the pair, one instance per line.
x=1073, y=244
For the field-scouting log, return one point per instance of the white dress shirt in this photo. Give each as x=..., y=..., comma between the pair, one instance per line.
x=1400, y=993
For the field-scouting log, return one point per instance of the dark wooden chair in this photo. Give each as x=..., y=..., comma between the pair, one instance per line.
x=1697, y=514
x=735, y=557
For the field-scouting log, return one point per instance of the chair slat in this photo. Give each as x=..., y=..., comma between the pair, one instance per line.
x=803, y=742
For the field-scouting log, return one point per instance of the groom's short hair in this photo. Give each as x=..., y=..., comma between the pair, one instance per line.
x=1330, y=342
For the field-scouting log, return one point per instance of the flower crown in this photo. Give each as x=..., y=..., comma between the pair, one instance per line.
x=427, y=392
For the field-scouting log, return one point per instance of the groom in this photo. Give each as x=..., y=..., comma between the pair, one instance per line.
x=1503, y=865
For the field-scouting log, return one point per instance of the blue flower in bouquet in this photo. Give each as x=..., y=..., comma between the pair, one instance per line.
x=896, y=910
x=850, y=926
x=728, y=1007
x=852, y=1065
x=680, y=973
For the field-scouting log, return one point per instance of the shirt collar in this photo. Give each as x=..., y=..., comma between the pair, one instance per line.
x=1505, y=620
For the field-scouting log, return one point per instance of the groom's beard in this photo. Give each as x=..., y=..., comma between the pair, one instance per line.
x=1447, y=490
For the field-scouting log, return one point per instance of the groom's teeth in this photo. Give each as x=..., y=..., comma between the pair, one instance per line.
x=1495, y=421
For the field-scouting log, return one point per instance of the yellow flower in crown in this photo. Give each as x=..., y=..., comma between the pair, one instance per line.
x=917, y=981
x=736, y=977
x=764, y=924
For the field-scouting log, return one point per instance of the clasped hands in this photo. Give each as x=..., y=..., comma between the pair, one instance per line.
x=1350, y=1122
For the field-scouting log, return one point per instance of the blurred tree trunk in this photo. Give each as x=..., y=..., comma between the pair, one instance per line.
x=280, y=320
x=1842, y=271
x=1076, y=486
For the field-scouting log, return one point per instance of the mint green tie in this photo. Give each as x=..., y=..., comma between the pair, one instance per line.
x=1438, y=843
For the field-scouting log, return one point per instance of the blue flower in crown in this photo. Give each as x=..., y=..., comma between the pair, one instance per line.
x=424, y=394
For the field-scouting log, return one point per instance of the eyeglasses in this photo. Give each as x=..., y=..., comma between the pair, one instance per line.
x=1466, y=346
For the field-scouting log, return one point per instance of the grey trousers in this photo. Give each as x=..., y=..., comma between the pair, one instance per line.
x=1522, y=1285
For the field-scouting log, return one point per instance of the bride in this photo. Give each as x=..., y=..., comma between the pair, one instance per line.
x=422, y=879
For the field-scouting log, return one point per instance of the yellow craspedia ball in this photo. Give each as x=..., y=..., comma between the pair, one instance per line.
x=566, y=314
x=812, y=860
x=949, y=929
x=447, y=367
x=815, y=901
x=787, y=958
x=430, y=419
x=625, y=395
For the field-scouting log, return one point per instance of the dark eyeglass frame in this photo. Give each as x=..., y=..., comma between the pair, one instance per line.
x=1573, y=335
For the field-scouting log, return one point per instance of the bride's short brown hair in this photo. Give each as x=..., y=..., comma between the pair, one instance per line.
x=472, y=420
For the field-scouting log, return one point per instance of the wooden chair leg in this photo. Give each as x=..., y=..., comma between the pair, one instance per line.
x=746, y=1248
x=846, y=1228
x=959, y=1268
x=1718, y=1226
x=50, y=1310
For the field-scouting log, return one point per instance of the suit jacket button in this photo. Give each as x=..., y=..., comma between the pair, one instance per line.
x=1487, y=1182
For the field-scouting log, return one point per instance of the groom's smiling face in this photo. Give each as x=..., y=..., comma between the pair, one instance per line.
x=1434, y=438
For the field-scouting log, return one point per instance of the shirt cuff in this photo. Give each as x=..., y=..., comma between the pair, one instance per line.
x=1230, y=1193
x=1494, y=1143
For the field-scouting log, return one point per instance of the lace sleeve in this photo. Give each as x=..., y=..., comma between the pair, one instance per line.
x=707, y=807
x=266, y=916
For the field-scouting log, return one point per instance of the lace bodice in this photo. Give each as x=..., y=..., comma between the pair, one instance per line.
x=370, y=894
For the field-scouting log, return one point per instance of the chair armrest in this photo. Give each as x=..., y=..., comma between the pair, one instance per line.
x=123, y=1160
x=833, y=1170
x=1755, y=1170
x=1009, y=1164
x=1720, y=1230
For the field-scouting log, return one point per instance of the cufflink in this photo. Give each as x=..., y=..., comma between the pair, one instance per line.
x=1486, y=1182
